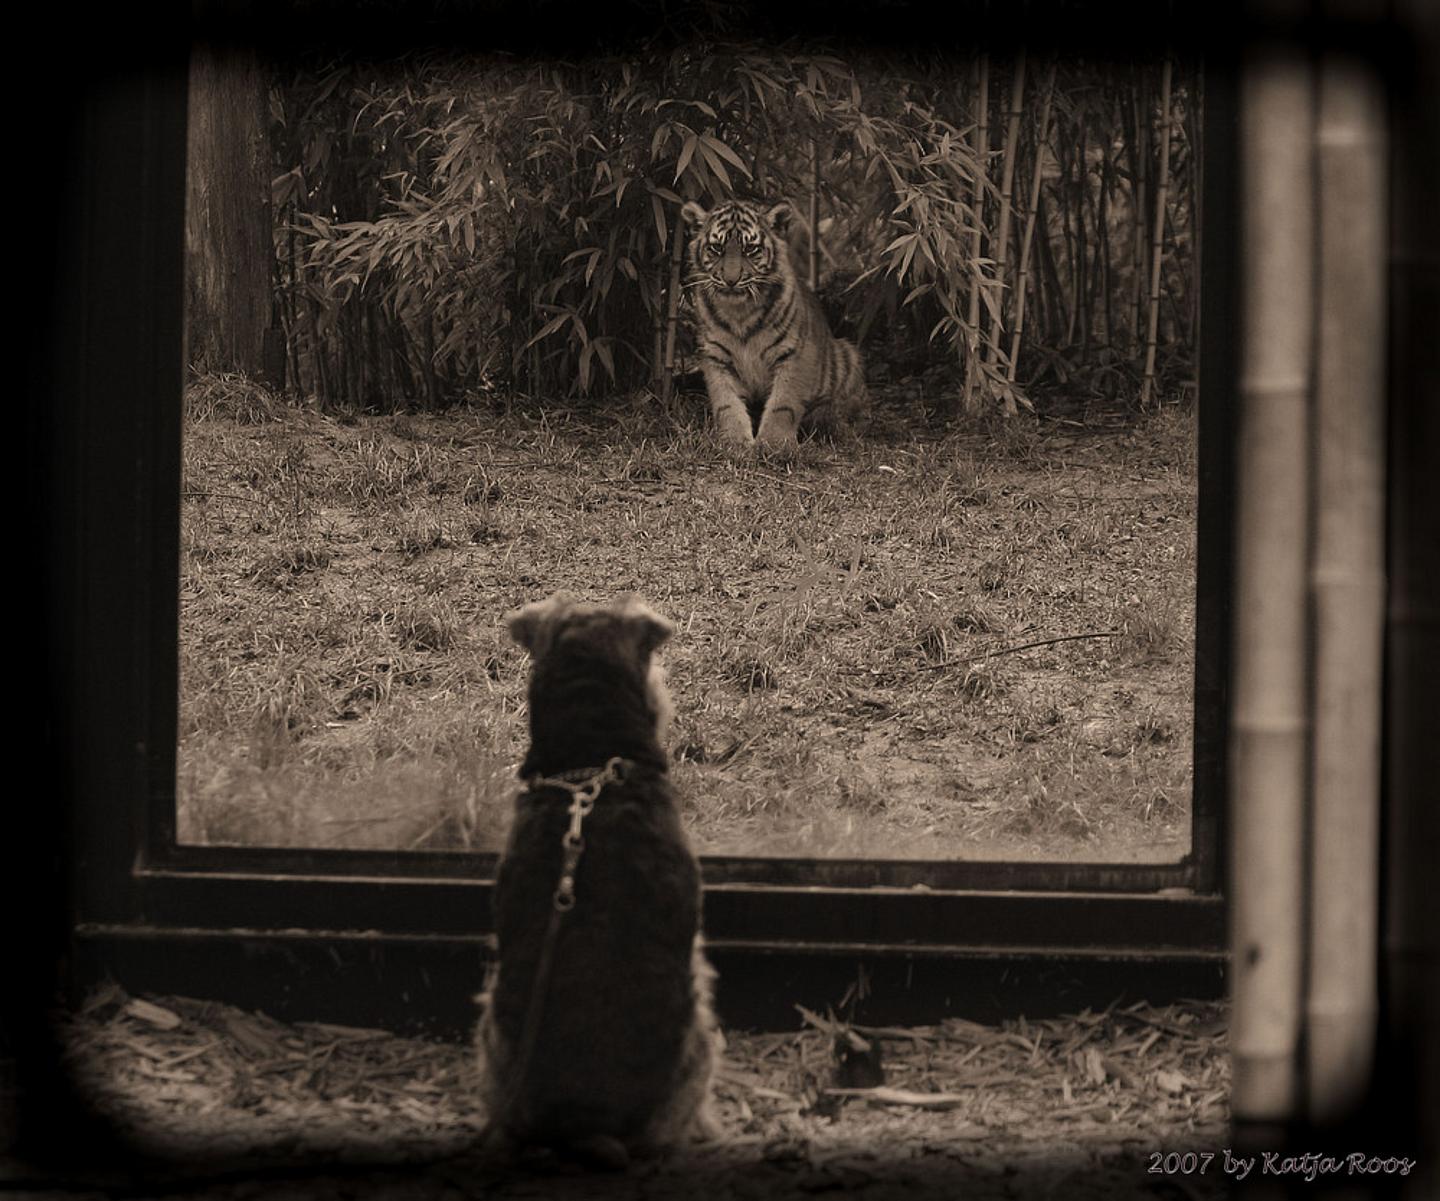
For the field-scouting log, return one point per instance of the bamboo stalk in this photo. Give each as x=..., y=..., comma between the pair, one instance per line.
x=1157, y=233
x=1072, y=303
x=1007, y=184
x=1081, y=277
x=975, y=313
x=657, y=348
x=1042, y=133
x=1349, y=590
x=1269, y=710
x=672, y=317
x=1051, y=290
x=814, y=215
x=1140, y=191
x=1102, y=242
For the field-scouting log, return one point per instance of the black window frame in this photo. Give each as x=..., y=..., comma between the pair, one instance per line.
x=111, y=499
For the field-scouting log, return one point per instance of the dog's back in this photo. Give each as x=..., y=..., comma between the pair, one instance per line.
x=623, y=1041
x=619, y=998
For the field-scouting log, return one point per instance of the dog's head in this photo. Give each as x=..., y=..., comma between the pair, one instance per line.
x=626, y=631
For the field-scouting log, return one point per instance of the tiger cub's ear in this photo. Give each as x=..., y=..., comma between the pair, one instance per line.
x=780, y=216
x=694, y=215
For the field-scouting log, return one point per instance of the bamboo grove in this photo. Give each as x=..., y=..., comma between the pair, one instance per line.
x=455, y=226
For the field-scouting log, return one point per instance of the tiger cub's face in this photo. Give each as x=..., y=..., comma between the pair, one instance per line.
x=736, y=245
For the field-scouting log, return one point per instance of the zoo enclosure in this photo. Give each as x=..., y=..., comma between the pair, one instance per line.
x=445, y=226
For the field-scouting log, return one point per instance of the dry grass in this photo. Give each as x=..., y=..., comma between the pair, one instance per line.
x=346, y=680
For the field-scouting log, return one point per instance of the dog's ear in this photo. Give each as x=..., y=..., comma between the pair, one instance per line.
x=650, y=628
x=532, y=625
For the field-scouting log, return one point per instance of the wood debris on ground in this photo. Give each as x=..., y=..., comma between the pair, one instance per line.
x=1067, y=1107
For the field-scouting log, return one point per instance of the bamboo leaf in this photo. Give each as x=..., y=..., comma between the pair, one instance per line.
x=905, y=262
x=607, y=358
x=716, y=165
x=547, y=329
x=585, y=356
x=724, y=151
x=687, y=152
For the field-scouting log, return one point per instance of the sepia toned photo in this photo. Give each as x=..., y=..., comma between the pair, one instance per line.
x=699, y=599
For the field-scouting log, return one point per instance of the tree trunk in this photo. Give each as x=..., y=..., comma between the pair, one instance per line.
x=228, y=250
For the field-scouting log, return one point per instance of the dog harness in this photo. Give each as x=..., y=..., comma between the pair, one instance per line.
x=583, y=784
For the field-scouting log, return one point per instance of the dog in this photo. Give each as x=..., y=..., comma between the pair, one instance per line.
x=598, y=1036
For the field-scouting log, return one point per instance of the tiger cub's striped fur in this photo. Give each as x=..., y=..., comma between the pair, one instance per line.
x=770, y=362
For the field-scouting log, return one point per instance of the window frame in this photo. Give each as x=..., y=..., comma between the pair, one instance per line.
x=113, y=508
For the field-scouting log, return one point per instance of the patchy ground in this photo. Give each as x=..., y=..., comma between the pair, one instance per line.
x=1073, y=1107
x=847, y=671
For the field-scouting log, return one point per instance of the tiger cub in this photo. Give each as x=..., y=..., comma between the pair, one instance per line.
x=770, y=362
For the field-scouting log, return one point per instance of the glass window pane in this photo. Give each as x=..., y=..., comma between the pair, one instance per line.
x=960, y=628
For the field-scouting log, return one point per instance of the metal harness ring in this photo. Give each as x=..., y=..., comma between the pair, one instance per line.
x=582, y=800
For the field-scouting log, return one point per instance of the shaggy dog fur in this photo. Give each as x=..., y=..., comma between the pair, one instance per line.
x=626, y=1041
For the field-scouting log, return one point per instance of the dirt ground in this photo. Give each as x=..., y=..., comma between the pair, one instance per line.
x=234, y=1105
x=938, y=640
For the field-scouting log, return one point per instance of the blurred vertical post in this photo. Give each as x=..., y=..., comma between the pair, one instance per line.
x=1269, y=717
x=1348, y=585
